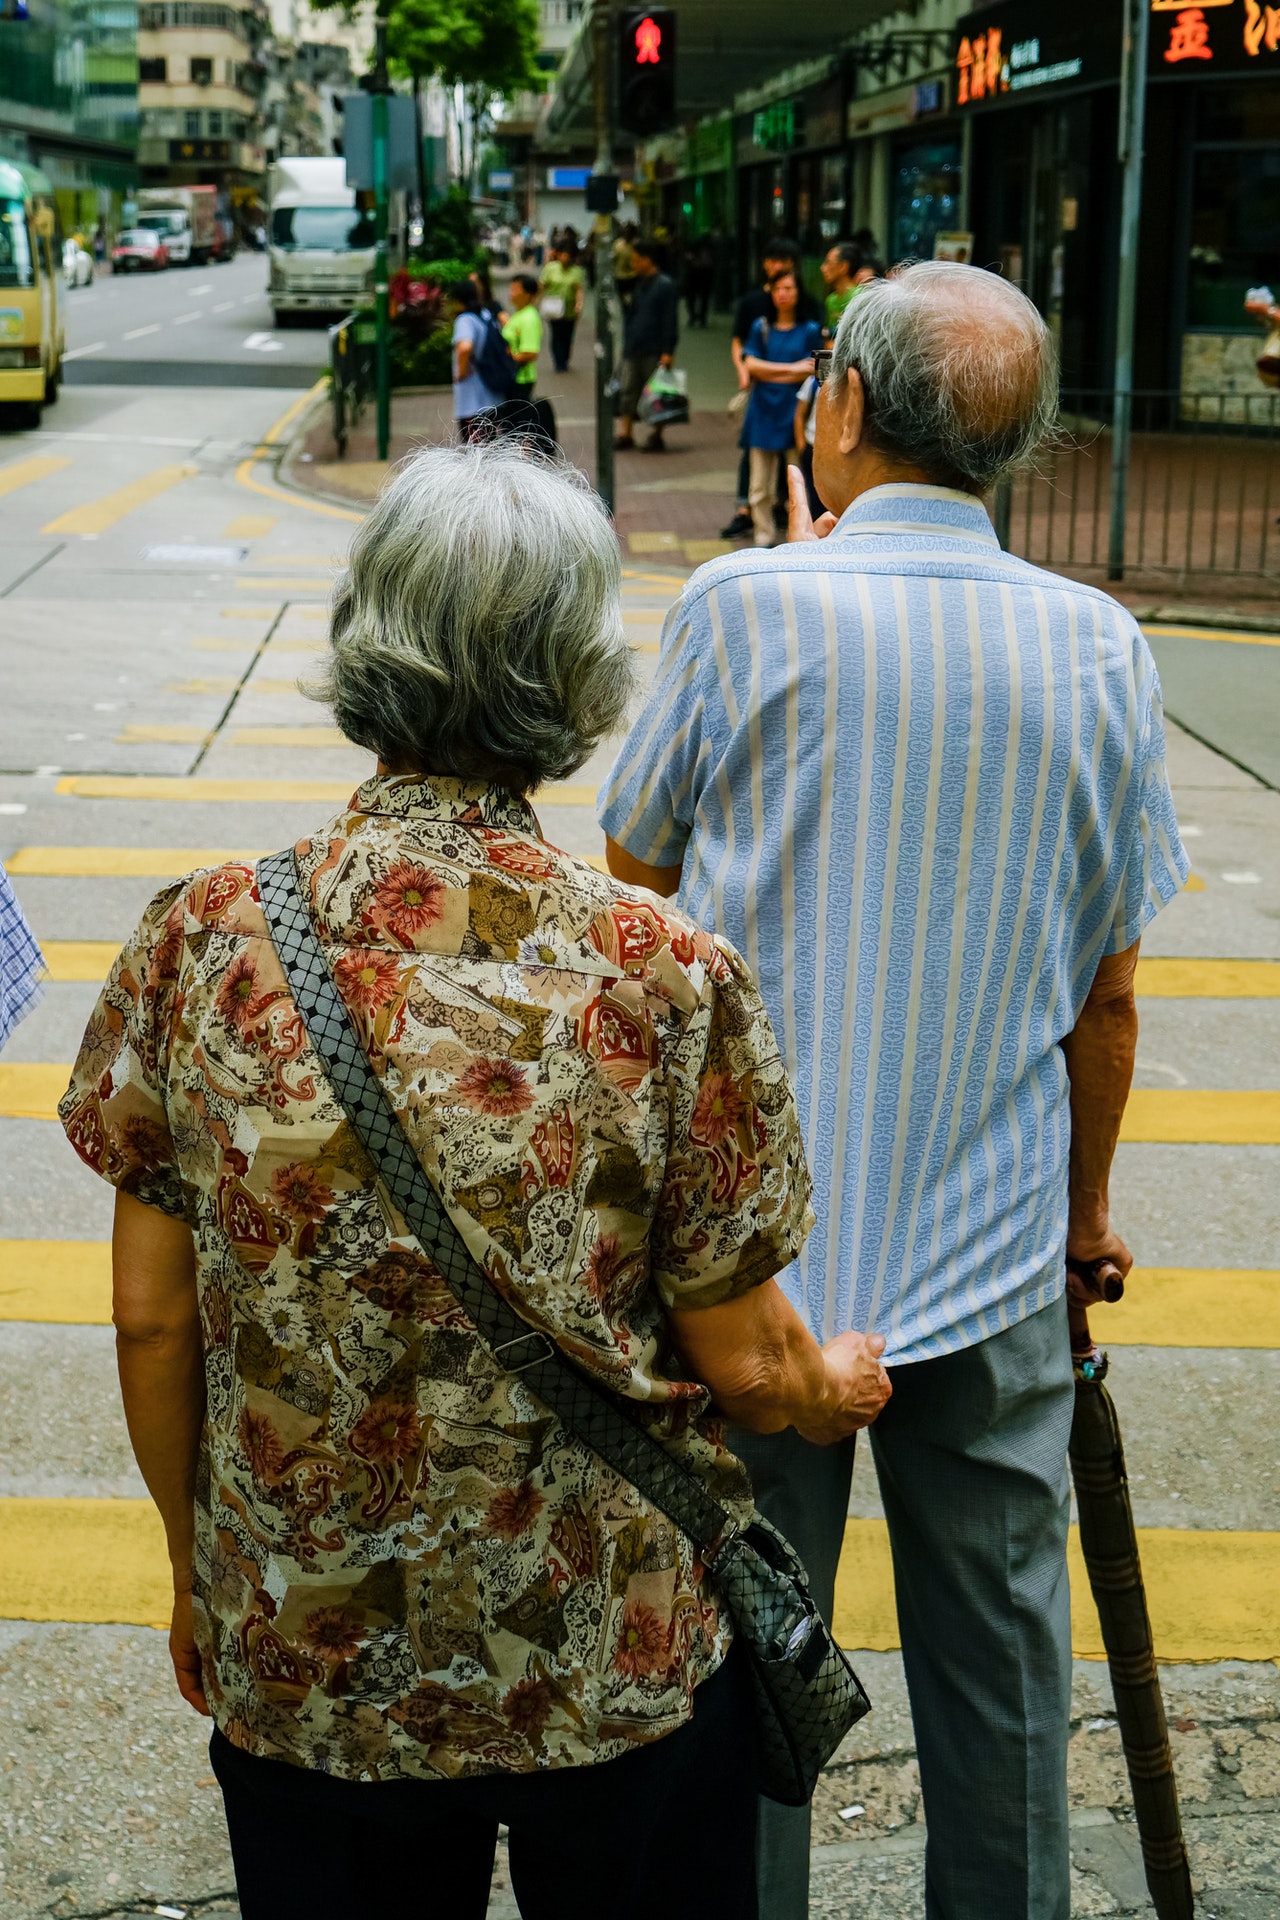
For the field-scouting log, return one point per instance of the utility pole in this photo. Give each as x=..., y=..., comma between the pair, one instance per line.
x=381, y=206
x=602, y=103
x=1133, y=114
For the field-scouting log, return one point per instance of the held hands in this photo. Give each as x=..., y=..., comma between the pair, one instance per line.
x=800, y=522
x=857, y=1388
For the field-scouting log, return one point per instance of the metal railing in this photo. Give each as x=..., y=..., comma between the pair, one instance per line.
x=1203, y=496
x=351, y=373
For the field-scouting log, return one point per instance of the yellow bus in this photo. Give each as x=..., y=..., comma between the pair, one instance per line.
x=32, y=332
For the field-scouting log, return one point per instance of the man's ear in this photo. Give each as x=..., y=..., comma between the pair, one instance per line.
x=849, y=410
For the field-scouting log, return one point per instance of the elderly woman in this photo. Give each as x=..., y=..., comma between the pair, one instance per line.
x=415, y=1604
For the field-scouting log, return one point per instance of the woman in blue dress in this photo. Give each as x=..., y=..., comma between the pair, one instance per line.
x=778, y=355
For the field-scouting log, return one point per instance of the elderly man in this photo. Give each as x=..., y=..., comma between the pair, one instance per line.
x=921, y=783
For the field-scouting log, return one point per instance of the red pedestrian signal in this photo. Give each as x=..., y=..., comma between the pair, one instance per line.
x=647, y=71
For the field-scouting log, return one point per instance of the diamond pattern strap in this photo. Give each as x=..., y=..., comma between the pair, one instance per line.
x=599, y=1418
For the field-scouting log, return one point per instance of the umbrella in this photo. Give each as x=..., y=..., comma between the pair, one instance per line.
x=1110, y=1547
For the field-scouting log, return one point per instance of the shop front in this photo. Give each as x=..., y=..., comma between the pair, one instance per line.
x=1041, y=89
x=793, y=173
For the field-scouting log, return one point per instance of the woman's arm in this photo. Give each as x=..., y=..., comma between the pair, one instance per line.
x=464, y=352
x=160, y=1356
x=790, y=372
x=766, y=1371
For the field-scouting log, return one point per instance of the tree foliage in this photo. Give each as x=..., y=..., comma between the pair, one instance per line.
x=488, y=45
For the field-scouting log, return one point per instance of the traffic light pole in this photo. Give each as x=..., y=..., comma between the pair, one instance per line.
x=1133, y=111
x=602, y=102
x=381, y=206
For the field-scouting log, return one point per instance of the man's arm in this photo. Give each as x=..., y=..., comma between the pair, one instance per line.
x=464, y=351
x=160, y=1357
x=1100, y=1052
x=634, y=873
x=766, y=1371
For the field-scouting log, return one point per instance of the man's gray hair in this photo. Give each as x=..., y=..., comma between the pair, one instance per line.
x=477, y=630
x=959, y=371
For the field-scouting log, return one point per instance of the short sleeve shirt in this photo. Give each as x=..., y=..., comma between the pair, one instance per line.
x=405, y=1565
x=771, y=410
x=470, y=396
x=523, y=334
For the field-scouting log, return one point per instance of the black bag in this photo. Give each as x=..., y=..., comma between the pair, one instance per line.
x=807, y=1695
x=547, y=422
x=491, y=359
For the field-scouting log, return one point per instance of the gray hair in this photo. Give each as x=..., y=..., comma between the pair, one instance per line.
x=959, y=371
x=477, y=630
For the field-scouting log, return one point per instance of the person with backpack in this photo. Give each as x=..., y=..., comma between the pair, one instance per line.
x=484, y=373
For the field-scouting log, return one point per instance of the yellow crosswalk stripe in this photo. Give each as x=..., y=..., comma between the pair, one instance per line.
x=1193, y=1307
x=226, y=685
x=21, y=473
x=1198, y=1116
x=1163, y=979
x=289, y=737
x=59, y=1282
x=97, y=515
x=31, y=1090
x=79, y=959
x=249, y=526
x=124, y=863
x=1212, y=1596
x=643, y=616
x=1194, y=884
x=163, y=786
x=309, y=584
x=137, y=736
x=1216, y=633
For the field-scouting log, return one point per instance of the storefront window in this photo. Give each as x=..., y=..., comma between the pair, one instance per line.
x=926, y=197
x=834, y=198
x=1235, y=233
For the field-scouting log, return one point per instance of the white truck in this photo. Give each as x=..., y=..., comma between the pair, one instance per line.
x=320, y=243
x=186, y=218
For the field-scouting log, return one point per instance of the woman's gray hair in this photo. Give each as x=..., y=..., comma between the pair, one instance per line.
x=958, y=368
x=477, y=630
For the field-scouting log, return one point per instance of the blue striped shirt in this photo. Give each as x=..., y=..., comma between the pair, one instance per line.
x=921, y=785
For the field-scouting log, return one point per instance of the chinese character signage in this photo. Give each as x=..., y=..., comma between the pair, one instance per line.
x=1020, y=48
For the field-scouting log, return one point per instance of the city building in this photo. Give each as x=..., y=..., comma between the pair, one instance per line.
x=69, y=104
x=202, y=69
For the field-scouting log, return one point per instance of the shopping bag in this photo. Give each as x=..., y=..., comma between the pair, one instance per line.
x=665, y=400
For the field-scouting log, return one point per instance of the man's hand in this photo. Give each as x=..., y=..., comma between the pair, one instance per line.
x=858, y=1386
x=185, y=1655
x=800, y=522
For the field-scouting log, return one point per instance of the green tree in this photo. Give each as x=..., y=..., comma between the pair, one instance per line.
x=490, y=46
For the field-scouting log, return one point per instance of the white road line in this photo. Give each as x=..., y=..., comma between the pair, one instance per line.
x=78, y=353
x=224, y=306
x=184, y=319
x=249, y=299
x=138, y=332
x=197, y=291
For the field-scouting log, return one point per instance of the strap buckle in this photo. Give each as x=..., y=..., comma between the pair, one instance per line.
x=546, y=1351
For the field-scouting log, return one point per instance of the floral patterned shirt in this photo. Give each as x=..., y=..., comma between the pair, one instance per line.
x=405, y=1564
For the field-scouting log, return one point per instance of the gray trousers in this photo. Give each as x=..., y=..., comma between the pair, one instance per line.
x=972, y=1457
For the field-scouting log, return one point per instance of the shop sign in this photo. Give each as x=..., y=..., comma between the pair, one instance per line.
x=780, y=127
x=710, y=146
x=187, y=151
x=1233, y=36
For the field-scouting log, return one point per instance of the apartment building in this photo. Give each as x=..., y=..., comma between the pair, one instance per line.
x=202, y=70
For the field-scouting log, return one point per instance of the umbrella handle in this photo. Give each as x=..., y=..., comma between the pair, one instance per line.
x=1088, y=1283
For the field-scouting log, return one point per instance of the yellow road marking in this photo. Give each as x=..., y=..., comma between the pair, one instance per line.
x=244, y=472
x=653, y=542
x=645, y=646
x=21, y=473
x=289, y=737
x=76, y=960
x=132, y=736
x=1218, y=633
x=1209, y=979
x=226, y=685
x=84, y=1560
x=129, y=863
x=57, y=1282
x=647, y=616
x=98, y=515
x=1200, y=1116
x=309, y=613
x=1212, y=1596
x=308, y=585
x=31, y=1091
x=1194, y=884
x=676, y=580
x=1193, y=1307
x=318, y=645
x=249, y=526
x=143, y=786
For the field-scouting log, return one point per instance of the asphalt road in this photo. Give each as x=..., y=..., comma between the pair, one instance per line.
x=160, y=595
x=188, y=326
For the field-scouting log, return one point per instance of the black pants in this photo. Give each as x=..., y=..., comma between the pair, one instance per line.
x=666, y=1826
x=561, y=343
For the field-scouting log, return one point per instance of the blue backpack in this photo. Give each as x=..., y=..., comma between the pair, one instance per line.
x=491, y=359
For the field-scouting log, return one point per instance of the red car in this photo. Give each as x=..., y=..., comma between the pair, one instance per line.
x=139, y=251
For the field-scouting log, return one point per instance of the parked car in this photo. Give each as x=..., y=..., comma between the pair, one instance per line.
x=77, y=265
x=139, y=251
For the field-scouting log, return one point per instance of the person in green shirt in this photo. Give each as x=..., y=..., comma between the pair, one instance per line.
x=522, y=331
x=839, y=270
x=563, y=291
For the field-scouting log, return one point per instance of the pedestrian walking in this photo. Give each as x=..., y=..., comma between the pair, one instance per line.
x=842, y=271
x=475, y=404
x=563, y=292
x=648, y=339
x=753, y=306
x=922, y=782
x=699, y=279
x=21, y=962
x=414, y=1601
x=522, y=331
x=778, y=358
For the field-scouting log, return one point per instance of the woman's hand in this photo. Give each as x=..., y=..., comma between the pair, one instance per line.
x=858, y=1388
x=185, y=1655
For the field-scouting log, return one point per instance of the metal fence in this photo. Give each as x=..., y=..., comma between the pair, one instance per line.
x=1203, y=496
x=351, y=351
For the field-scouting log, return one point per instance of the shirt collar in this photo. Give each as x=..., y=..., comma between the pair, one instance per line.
x=466, y=803
x=902, y=506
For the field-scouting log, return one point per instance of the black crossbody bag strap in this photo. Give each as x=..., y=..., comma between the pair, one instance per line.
x=599, y=1418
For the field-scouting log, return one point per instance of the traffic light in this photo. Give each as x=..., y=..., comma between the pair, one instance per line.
x=647, y=70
